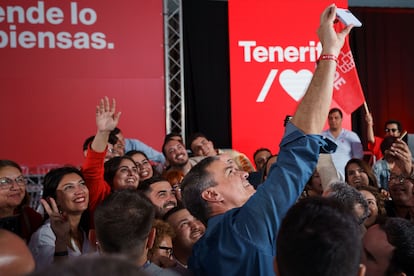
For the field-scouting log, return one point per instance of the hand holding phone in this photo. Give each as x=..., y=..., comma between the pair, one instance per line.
x=347, y=17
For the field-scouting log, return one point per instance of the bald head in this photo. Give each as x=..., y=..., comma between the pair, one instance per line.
x=15, y=256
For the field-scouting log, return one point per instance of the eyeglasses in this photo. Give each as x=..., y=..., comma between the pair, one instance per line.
x=6, y=183
x=391, y=130
x=399, y=179
x=168, y=249
x=72, y=187
x=176, y=188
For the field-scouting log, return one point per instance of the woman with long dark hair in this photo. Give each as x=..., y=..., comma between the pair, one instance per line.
x=65, y=232
x=359, y=173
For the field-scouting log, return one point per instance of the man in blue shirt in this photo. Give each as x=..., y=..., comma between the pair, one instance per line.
x=135, y=144
x=242, y=223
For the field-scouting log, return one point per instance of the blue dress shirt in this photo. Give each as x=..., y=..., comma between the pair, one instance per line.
x=242, y=241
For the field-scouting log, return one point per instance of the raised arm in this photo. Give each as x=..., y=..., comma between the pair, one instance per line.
x=370, y=128
x=106, y=120
x=403, y=157
x=313, y=110
x=151, y=153
x=60, y=227
x=93, y=165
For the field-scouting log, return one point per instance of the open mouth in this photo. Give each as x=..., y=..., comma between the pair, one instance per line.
x=169, y=205
x=130, y=181
x=180, y=157
x=247, y=184
x=196, y=234
x=144, y=173
x=80, y=199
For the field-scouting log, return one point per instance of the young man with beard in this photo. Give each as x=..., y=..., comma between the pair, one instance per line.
x=188, y=230
x=161, y=194
x=176, y=155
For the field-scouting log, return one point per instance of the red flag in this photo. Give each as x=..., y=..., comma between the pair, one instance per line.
x=347, y=88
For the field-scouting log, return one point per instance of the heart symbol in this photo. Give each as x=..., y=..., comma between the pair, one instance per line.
x=295, y=84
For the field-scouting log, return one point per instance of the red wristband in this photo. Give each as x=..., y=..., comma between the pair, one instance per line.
x=328, y=57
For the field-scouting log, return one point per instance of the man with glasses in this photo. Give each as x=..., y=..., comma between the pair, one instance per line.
x=401, y=188
x=396, y=154
x=391, y=128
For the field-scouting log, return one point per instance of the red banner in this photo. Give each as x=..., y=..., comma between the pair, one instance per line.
x=273, y=52
x=347, y=90
x=58, y=58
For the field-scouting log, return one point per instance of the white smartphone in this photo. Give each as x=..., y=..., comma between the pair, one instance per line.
x=347, y=17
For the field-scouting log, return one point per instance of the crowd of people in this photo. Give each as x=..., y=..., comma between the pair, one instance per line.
x=316, y=207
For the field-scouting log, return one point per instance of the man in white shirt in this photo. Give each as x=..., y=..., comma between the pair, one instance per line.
x=349, y=144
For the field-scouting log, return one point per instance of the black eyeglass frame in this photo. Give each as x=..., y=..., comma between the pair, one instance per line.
x=391, y=130
x=168, y=249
